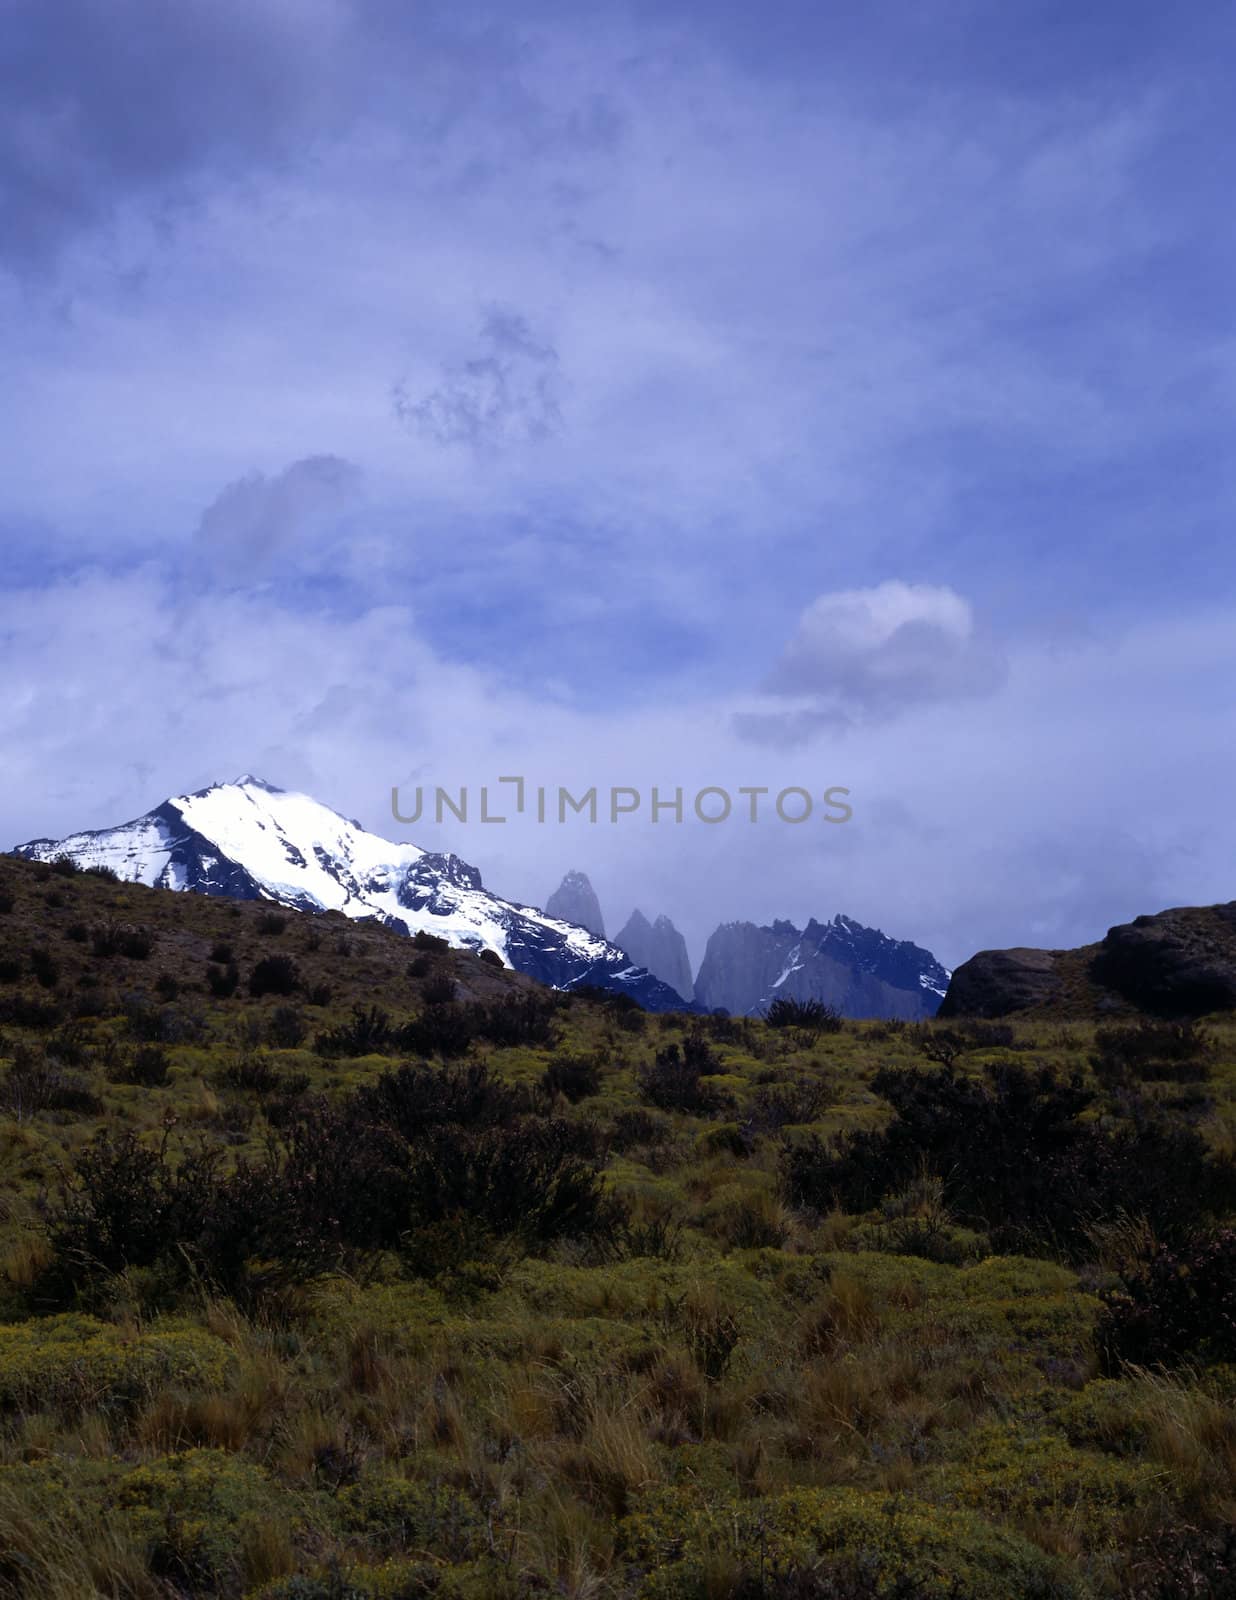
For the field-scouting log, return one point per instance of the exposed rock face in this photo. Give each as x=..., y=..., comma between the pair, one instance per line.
x=575, y=900
x=856, y=969
x=661, y=948
x=1180, y=962
x=995, y=982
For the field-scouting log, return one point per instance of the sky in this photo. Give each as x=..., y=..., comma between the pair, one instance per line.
x=689, y=394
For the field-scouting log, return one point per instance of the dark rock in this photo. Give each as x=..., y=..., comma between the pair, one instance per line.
x=661, y=948
x=1180, y=962
x=997, y=982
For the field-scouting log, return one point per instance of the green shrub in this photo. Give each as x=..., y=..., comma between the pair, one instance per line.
x=78, y=1364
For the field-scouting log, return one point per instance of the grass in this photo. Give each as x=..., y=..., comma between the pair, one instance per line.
x=723, y=1397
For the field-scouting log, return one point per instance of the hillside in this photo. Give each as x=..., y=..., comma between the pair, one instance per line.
x=408, y=1277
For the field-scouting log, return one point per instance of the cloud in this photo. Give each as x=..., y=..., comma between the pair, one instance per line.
x=507, y=396
x=257, y=516
x=862, y=655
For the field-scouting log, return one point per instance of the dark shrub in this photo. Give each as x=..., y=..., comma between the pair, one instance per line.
x=159, y=1024
x=36, y=1083
x=631, y=1129
x=446, y=1031
x=491, y=958
x=147, y=1066
x=319, y=995
x=576, y=1077
x=286, y=1028
x=368, y=1034
x=699, y=1054
x=984, y=1035
x=673, y=1084
x=809, y=1016
x=271, y=922
x=274, y=975
x=1151, y=1050
x=166, y=986
x=419, y=967
x=1184, y=1563
x=1179, y=1305
x=222, y=952
x=7, y=902
x=102, y=870
x=942, y=1045
x=30, y=1011
x=223, y=982
x=10, y=969
x=429, y=941
x=439, y=990
x=77, y=933
x=65, y=867
x=779, y=1105
x=516, y=1019
x=413, y=1100
x=254, y=1073
x=115, y=939
x=44, y=968
x=1017, y=1160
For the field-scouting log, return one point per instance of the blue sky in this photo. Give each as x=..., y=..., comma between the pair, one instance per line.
x=653, y=393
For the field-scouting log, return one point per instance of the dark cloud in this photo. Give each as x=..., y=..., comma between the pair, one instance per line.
x=101, y=100
x=506, y=396
x=255, y=517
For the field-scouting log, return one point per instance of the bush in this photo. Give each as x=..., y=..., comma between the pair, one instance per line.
x=253, y=1073
x=809, y=1016
x=369, y=1033
x=167, y=987
x=65, y=867
x=491, y=958
x=429, y=941
x=116, y=939
x=10, y=969
x=271, y=922
x=159, y=1024
x=1018, y=1160
x=30, y=1011
x=101, y=870
x=286, y=1028
x=319, y=995
x=35, y=1083
x=575, y=1077
x=223, y=982
x=438, y=990
x=1180, y=1305
x=780, y=1105
x=1151, y=1050
x=673, y=1084
x=147, y=1066
x=221, y=952
x=44, y=968
x=274, y=975
x=441, y=1030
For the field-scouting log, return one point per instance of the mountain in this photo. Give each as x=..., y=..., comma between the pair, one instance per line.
x=252, y=841
x=856, y=969
x=1175, y=963
x=575, y=900
x=661, y=948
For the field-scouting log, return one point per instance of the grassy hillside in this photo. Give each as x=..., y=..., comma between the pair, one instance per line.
x=337, y=1266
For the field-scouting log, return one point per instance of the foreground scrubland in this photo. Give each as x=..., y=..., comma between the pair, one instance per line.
x=338, y=1266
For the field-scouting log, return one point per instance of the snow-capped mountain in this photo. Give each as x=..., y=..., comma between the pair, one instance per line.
x=252, y=841
x=859, y=970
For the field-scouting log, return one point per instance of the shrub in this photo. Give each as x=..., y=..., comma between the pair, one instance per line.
x=1152, y=1050
x=429, y=941
x=271, y=922
x=100, y=869
x=419, y=967
x=274, y=975
x=7, y=902
x=1179, y=1305
x=1019, y=1161
x=575, y=1077
x=223, y=982
x=65, y=866
x=77, y=933
x=942, y=1045
x=491, y=958
x=809, y=1016
x=368, y=1033
x=286, y=1028
x=44, y=968
x=221, y=952
x=116, y=939
x=10, y=969
x=518, y=1019
x=438, y=990
x=779, y=1105
x=30, y=1011
x=159, y=1024
x=319, y=995
x=673, y=1084
x=34, y=1084
x=252, y=1072
x=440, y=1030
x=147, y=1066
x=75, y=1364
x=413, y=1100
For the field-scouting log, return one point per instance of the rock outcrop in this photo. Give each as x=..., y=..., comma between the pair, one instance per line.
x=661, y=948
x=1175, y=963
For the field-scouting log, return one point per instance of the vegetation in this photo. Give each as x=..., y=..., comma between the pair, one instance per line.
x=346, y=1272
